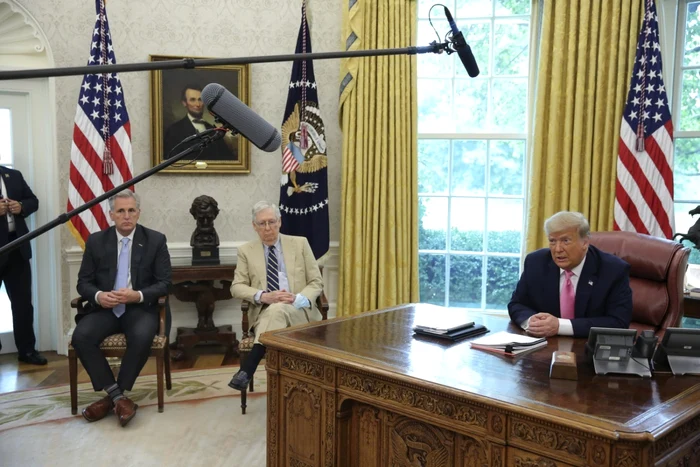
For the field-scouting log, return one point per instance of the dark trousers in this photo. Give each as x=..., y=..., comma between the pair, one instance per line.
x=16, y=274
x=139, y=326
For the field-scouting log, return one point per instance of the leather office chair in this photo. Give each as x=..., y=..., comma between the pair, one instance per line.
x=246, y=343
x=657, y=274
x=115, y=346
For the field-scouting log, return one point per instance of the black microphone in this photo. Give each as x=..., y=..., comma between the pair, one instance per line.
x=240, y=117
x=461, y=47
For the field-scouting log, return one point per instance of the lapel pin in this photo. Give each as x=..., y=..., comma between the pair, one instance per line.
x=590, y=282
x=7, y=175
x=141, y=244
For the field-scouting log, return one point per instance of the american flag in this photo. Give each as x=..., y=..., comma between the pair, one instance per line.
x=644, y=189
x=101, y=151
x=304, y=181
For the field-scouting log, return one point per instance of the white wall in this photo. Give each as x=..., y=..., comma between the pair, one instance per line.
x=197, y=28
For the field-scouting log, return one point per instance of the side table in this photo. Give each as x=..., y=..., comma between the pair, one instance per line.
x=196, y=284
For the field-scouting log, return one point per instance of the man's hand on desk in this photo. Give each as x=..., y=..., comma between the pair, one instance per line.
x=278, y=296
x=543, y=325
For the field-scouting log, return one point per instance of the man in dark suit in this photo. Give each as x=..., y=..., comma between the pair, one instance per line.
x=572, y=286
x=193, y=123
x=125, y=269
x=17, y=202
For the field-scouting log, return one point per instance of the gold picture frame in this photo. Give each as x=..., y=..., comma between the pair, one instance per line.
x=173, y=119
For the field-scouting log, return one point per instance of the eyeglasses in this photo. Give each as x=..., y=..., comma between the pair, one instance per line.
x=266, y=224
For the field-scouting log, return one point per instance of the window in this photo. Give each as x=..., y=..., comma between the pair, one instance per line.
x=686, y=120
x=472, y=154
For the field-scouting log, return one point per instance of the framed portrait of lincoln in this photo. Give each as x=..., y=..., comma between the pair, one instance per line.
x=177, y=112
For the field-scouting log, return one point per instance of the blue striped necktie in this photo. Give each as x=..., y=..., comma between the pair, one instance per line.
x=273, y=279
x=122, y=275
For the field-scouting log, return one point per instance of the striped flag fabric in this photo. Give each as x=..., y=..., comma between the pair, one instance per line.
x=644, y=187
x=101, y=151
x=304, y=181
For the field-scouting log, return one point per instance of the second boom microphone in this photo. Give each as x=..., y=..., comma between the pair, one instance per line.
x=461, y=47
x=235, y=114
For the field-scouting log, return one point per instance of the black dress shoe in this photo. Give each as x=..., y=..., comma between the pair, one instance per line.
x=240, y=381
x=32, y=357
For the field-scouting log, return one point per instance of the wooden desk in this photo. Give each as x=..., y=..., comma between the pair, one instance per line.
x=196, y=284
x=691, y=307
x=362, y=391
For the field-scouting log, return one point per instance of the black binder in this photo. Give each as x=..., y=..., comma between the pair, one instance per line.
x=472, y=331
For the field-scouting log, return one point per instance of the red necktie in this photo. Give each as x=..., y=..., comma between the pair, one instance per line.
x=567, y=297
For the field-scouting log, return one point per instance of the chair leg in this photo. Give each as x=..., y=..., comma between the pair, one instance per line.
x=243, y=401
x=159, y=380
x=251, y=388
x=73, y=380
x=168, y=379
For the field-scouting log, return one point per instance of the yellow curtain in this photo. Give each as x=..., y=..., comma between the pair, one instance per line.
x=379, y=199
x=585, y=62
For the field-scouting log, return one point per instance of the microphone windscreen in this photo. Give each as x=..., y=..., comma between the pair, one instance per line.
x=239, y=116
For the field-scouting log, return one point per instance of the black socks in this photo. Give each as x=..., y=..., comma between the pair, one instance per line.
x=250, y=364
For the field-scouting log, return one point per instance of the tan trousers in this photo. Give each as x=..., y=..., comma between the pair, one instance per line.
x=279, y=316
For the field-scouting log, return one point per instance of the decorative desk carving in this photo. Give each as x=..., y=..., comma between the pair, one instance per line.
x=196, y=284
x=384, y=400
x=204, y=240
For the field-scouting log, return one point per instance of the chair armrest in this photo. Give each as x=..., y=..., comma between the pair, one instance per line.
x=245, y=325
x=162, y=309
x=79, y=304
x=322, y=303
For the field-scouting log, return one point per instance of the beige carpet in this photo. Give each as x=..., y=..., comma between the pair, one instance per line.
x=202, y=425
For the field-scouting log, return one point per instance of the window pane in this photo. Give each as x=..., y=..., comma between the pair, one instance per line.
x=690, y=101
x=509, y=105
x=5, y=138
x=468, y=219
x=470, y=101
x=478, y=35
x=432, y=231
x=435, y=106
x=432, y=278
x=433, y=166
x=468, y=167
x=511, y=47
x=684, y=221
x=433, y=65
x=474, y=8
x=692, y=36
x=506, y=161
x=686, y=170
x=513, y=7
x=505, y=220
x=425, y=5
x=501, y=278
x=465, y=281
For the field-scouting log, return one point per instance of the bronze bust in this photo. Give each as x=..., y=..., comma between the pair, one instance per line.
x=205, y=240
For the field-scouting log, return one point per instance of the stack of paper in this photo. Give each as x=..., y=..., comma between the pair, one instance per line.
x=694, y=292
x=508, y=344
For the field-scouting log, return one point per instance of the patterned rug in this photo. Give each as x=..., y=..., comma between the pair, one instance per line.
x=202, y=424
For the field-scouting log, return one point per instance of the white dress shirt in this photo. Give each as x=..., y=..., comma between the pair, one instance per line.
x=10, y=217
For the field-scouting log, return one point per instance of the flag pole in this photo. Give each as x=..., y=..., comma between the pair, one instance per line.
x=65, y=217
x=192, y=63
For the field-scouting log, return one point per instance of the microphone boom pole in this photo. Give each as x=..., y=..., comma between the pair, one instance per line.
x=191, y=63
x=63, y=218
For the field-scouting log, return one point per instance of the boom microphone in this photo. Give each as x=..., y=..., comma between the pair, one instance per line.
x=461, y=47
x=240, y=117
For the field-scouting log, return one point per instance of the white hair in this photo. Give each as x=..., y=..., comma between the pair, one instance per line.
x=262, y=205
x=564, y=220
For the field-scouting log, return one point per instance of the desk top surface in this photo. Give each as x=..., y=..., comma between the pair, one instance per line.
x=382, y=342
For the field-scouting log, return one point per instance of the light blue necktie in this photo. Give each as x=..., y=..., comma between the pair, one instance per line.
x=122, y=275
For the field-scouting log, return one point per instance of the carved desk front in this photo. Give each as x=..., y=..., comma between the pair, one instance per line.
x=362, y=391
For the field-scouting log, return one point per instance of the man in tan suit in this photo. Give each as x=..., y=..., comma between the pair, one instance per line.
x=279, y=276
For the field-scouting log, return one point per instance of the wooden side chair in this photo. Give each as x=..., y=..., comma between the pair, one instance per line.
x=246, y=343
x=115, y=346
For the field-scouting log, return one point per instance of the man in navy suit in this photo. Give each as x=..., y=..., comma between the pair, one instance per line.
x=125, y=269
x=17, y=201
x=572, y=286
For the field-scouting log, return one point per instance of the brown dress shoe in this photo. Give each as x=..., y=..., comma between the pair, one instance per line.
x=125, y=410
x=98, y=410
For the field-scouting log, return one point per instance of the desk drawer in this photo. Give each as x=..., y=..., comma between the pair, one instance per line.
x=519, y=458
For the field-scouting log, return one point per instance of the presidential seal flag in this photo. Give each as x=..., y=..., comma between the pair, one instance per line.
x=304, y=182
x=100, y=156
